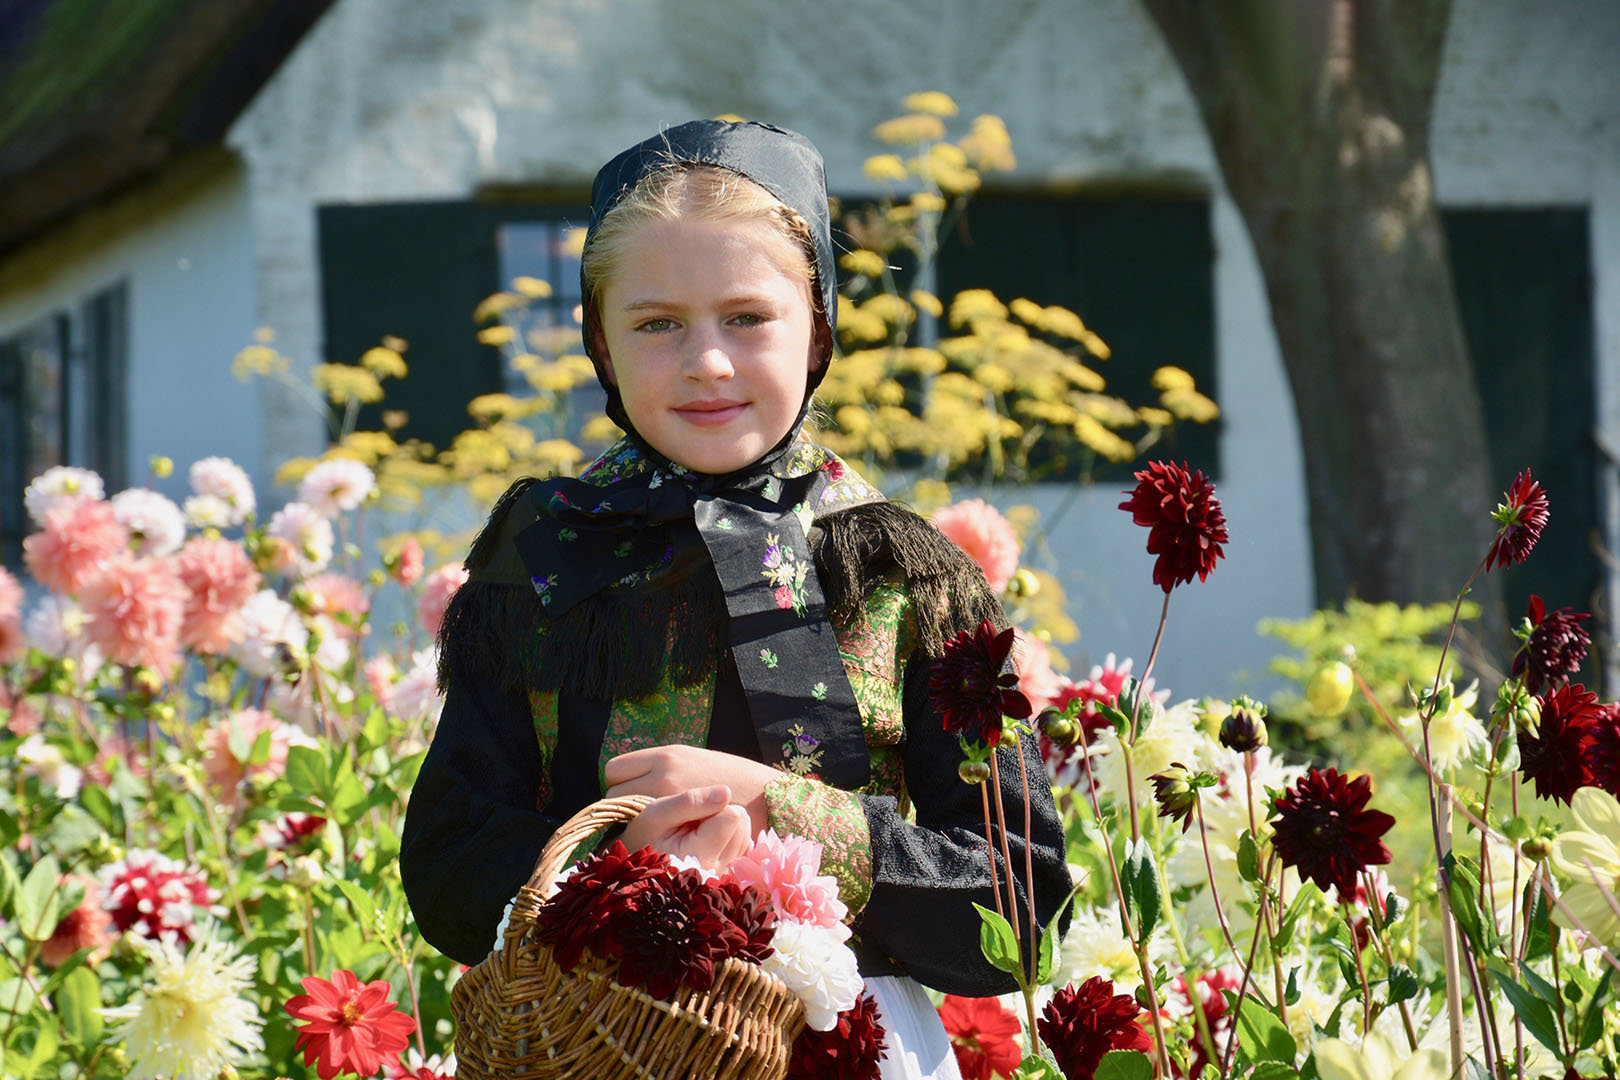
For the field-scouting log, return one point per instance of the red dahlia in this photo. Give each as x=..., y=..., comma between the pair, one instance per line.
x=1324, y=829
x=347, y=1026
x=984, y=1036
x=1082, y=1024
x=678, y=936
x=850, y=1051
x=586, y=911
x=1603, y=752
x=1185, y=519
x=750, y=910
x=1520, y=520
x=1554, y=754
x=971, y=688
x=1554, y=649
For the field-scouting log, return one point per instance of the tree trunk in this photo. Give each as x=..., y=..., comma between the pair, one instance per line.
x=1319, y=112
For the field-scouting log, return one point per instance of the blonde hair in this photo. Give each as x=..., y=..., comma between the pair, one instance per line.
x=685, y=191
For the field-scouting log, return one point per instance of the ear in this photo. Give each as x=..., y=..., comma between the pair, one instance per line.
x=821, y=346
x=596, y=348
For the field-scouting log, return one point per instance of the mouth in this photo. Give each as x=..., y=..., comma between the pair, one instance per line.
x=710, y=413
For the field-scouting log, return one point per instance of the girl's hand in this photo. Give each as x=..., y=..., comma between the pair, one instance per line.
x=670, y=770
x=700, y=823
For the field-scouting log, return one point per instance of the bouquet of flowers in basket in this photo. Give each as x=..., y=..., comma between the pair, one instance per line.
x=670, y=925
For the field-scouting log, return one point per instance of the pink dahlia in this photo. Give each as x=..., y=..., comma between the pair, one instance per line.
x=156, y=526
x=437, y=590
x=81, y=536
x=406, y=564
x=341, y=599
x=788, y=871
x=149, y=894
x=227, y=771
x=87, y=926
x=219, y=579
x=11, y=633
x=136, y=608
x=1033, y=657
x=979, y=529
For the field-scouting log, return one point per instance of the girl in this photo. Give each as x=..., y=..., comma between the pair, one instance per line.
x=717, y=613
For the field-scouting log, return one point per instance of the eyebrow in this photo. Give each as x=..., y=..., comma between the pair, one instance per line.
x=738, y=300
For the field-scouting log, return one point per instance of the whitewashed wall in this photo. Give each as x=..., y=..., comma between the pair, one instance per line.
x=187, y=259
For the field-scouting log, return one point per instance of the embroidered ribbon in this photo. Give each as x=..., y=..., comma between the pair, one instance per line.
x=627, y=518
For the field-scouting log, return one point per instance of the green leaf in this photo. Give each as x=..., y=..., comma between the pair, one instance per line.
x=1592, y=1022
x=1539, y=943
x=374, y=732
x=1261, y=1036
x=45, y=1044
x=94, y=798
x=1541, y=987
x=1464, y=894
x=1291, y=995
x=1274, y=1070
x=259, y=752
x=39, y=900
x=1037, y=1068
x=16, y=996
x=1403, y=984
x=996, y=940
x=1124, y=1065
x=1532, y=1011
x=365, y=908
x=307, y=770
x=1143, y=891
x=10, y=883
x=1248, y=857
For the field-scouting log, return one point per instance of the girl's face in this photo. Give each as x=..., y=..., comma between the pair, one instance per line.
x=709, y=335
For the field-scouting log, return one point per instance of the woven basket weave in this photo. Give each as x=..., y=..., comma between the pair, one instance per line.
x=519, y=1016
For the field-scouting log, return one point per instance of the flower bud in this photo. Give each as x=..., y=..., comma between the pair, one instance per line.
x=1537, y=849
x=162, y=467
x=973, y=772
x=1244, y=730
x=1175, y=794
x=1329, y=689
x=1024, y=583
x=1008, y=740
x=376, y=578
x=1058, y=727
x=305, y=872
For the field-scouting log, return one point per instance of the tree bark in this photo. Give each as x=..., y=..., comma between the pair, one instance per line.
x=1319, y=114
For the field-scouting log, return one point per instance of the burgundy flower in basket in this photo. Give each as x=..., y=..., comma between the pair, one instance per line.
x=682, y=930
x=1186, y=523
x=587, y=909
x=850, y=1051
x=970, y=687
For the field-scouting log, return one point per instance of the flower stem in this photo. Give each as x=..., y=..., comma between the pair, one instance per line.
x=1375, y=918
x=1248, y=969
x=990, y=850
x=1147, y=672
x=1029, y=875
x=1006, y=852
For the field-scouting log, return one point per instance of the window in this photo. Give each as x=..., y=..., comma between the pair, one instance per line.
x=1139, y=271
x=62, y=402
x=417, y=271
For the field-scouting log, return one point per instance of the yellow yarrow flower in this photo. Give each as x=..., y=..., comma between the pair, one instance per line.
x=532, y=287
x=342, y=383
x=863, y=262
x=497, y=335
x=913, y=128
x=600, y=429
x=495, y=305
x=383, y=362
x=972, y=304
x=932, y=102
x=1103, y=441
x=1172, y=378
x=927, y=301
x=258, y=360
x=892, y=309
x=1190, y=405
x=988, y=145
x=369, y=446
x=488, y=408
x=885, y=168
x=1589, y=855
x=926, y=202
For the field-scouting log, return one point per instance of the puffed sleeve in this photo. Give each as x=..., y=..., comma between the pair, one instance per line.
x=911, y=886
x=472, y=834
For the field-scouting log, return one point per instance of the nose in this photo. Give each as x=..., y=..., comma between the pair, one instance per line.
x=706, y=358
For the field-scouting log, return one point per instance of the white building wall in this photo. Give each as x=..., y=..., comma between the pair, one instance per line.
x=396, y=99
x=188, y=265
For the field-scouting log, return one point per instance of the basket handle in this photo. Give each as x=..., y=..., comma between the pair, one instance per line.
x=599, y=815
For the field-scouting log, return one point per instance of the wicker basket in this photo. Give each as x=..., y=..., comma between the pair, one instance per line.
x=519, y=1016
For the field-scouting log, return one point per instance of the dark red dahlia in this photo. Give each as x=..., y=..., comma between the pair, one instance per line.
x=1519, y=522
x=850, y=1051
x=587, y=910
x=1173, y=791
x=984, y=1036
x=1555, y=648
x=1186, y=522
x=1081, y=1024
x=749, y=909
x=1554, y=755
x=1324, y=829
x=1603, y=752
x=677, y=937
x=971, y=688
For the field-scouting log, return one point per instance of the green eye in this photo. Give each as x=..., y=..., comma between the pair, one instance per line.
x=656, y=325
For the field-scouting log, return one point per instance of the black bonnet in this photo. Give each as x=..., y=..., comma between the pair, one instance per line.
x=783, y=162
